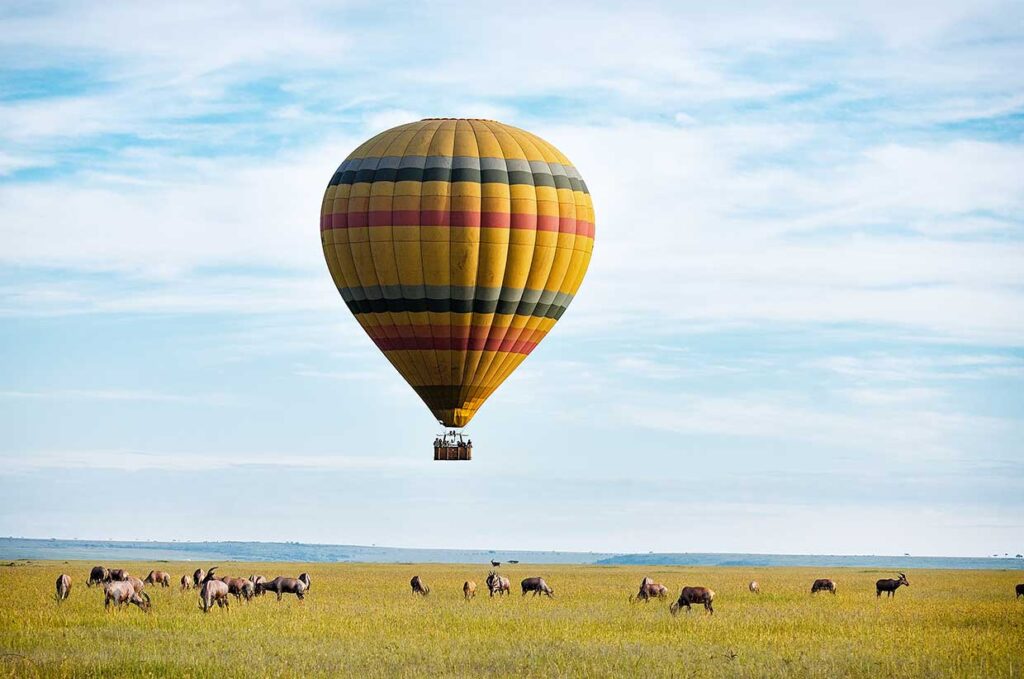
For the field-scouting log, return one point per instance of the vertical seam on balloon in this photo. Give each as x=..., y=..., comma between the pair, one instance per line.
x=485, y=376
x=463, y=353
x=396, y=358
x=467, y=378
x=467, y=389
x=423, y=268
x=406, y=315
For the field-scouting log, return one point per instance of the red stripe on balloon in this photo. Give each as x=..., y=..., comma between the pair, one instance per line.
x=456, y=218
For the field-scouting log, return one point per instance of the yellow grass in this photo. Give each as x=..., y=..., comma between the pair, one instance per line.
x=362, y=620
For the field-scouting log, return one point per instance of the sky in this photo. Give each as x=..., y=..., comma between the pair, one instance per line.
x=802, y=330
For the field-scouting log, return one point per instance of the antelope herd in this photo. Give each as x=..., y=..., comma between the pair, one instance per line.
x=120, y=588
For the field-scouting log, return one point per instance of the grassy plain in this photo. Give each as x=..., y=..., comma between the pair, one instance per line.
x=361, y=619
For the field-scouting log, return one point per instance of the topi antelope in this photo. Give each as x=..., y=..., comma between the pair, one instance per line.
x=418, y=587
x=693, y=595
x=97, y=576
x=537, y=586
x=63, y=587
x=754, y=587
x=469, y=589
x=889, y=585
x=649, y=589
x=212, y=591
x=823, y=585
x=281, y=586
x=186, y=582
x=198, y=577
x=1020, y=590
x=120, y=592
x=498, y=584
x=162, y=578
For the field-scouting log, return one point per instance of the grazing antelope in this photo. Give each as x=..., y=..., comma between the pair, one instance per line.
x=649, y=589
x=1020, y=590
x=823, y=585
x=212, y=591
x=418, y=587
x=469, y=589
x=162, y=578
x=889, y=586
x=97, y=576
x=693, y=595
x=498, y=584
x=282, y=586
x=186, y=582
x=63, y=587
x=754, y=587
x=537, y=586
x=198, y=576
x=304, y=577
x=120, y=592
x=117, y=575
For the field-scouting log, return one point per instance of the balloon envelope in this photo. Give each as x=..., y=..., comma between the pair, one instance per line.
x=457, y=244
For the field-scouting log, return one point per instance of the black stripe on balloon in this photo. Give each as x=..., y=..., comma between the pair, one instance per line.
x=457, y=306
x=444, y=174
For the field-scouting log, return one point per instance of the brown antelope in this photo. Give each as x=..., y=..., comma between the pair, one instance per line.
x=823, y=585
x=186, y=582
x=97, y=576
x=498, y=584
x=120, y=592
x=212, y=591
x=198, y=576
x=257, y=580
x=1020, y=590
x=469, y=589
x=158, y=577
x=304, y=577
x=117, y=575
x=649, y=589
x=63, y=587
x=418, y=587
x=537, y=586
x=889, y=586
x=754, y=587
x=693, y=595
x=281, y=586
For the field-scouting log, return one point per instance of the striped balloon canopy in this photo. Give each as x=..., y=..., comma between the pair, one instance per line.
x=457, y=244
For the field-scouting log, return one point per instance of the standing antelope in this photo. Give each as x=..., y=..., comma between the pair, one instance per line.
x=186, y=582
x=823, y=585
x=469, y=589
x=198, y=577
x=418, y=587
x=257, y=580
x=63, y=587
x=693, y=595
x=1020, y=590
x=889, y=586
x=498, y=584
x=304, y=577
x=754, y=587
x=212, y=591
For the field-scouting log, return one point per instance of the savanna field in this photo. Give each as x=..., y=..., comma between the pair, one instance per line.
x=362, y=619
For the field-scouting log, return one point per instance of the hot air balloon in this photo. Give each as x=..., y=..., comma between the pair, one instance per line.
x=457, y=244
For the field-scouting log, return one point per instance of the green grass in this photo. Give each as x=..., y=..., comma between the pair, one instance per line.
x=361, y=619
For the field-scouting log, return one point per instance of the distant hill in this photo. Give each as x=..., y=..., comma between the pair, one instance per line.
x=114, y=551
